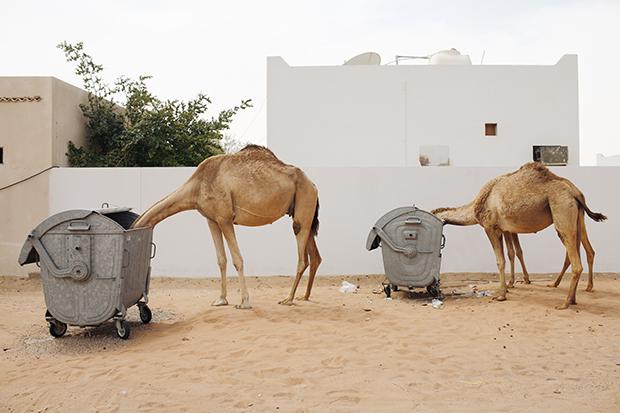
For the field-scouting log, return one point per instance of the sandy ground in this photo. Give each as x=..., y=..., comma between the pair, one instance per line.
x=341, y=352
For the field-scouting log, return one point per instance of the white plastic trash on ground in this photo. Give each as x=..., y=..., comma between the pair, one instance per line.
x=347, y=287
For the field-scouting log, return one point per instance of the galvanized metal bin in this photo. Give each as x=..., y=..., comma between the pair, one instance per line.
x=93, y=267
x=411, y=241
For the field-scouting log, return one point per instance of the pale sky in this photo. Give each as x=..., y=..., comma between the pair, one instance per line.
x=220, y=48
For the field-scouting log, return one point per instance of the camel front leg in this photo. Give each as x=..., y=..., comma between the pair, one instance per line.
x=511, y=258
x=519, y=252
x=495, y=236
x=302, y=264
x=218, y=242
x=229, y=233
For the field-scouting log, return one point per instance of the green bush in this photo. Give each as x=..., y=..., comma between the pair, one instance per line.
x=129, y=126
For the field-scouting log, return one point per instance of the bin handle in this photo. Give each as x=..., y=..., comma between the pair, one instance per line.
x=443, y=241
x=78, y=226
x=409, y=252
x=413, y=221
x=153, y=250
x=77, y=270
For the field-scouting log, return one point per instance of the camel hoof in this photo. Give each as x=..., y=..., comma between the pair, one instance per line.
x=589, y=288
x=304, y=298
x=243, y=306
x=511, y=285
x=562, y=307
x=527, y=281
x=219, y=302
x=552, y=286
x=286, y=301
x=500, y=298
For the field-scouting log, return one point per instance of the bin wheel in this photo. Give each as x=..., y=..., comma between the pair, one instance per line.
x=57, y=328
x=388, y=290
x=434, y=291
x=122, y=329
x=145, y=314
x=395, y=288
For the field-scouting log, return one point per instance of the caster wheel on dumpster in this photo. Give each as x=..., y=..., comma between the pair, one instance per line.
x=145, y=314
x=57, y=329
x=434, y=291
x=122, y=329
x=395, y=288
x=387, y=290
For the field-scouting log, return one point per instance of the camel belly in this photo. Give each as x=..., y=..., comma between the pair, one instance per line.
x=525, y=224
x=250, y=218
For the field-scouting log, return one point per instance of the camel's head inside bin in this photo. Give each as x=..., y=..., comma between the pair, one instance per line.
x=411, y=241
x=93, y=267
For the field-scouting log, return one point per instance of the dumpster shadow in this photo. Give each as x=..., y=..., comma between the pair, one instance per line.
x=89, y=340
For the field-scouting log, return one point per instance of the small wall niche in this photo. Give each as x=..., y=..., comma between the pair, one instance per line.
x=490, y=129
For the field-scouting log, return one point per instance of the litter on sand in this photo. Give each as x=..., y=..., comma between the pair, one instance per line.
x=347, y=287
x=437, y=303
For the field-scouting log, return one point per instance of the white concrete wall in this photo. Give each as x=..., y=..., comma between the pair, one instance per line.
x=380, y=115
x=352, y=199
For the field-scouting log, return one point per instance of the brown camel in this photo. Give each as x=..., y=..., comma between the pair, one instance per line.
x=525, y=201
x=512, y=244
x=251, y=187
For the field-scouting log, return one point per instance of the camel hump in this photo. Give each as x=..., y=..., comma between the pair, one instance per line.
x=258, y=152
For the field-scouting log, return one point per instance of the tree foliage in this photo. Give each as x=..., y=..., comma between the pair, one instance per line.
x=128, y=125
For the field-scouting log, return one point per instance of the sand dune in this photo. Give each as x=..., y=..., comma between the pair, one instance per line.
x=338, y=353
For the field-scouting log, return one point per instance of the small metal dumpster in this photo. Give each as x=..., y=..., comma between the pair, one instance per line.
x=93, y=267
x=411, y=241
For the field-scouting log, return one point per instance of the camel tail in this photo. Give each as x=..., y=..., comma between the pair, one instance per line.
x=182, y=199
x=597, y=216
x=315, y=221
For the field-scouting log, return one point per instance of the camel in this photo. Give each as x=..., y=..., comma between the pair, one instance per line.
x=253, y=188
x=527, y=201
x=512, y=244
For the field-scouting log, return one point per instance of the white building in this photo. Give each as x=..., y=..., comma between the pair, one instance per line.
x=603, y=160
x=395, y=115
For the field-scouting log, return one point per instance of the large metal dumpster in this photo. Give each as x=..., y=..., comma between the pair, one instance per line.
x=93, y=267
x=411, y=241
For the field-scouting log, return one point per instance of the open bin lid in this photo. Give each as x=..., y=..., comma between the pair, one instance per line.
x=374, y=239
x=123, y=216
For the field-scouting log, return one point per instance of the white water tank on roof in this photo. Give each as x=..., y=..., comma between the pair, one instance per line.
x=449, y=57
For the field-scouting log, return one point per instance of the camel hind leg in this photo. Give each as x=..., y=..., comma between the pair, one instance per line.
x=302, y=262
x=306, y=203
x=315, y=260
x=566, y=221
x=511, y=257
x=558, y=280
x=589, y=253
x=519, y=252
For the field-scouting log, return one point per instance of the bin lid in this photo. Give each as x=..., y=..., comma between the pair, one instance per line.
x=374, y=240
x=121, y=215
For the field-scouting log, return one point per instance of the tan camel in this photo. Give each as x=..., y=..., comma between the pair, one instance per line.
x=251, y=187
x=512, y=244
x=525, y=201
